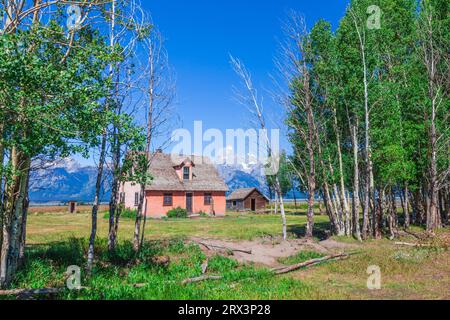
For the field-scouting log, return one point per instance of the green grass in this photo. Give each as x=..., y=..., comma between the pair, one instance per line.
x=57, y=241
x=45, y=228
x=115, y=277
x=301, y=257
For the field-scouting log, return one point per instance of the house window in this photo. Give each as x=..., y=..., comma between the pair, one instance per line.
x=208, y=199
x=168, y=200
x=136, y=199
x=234, y=203
x=186, y=173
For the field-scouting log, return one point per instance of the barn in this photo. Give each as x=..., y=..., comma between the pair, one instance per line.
x=250, y=199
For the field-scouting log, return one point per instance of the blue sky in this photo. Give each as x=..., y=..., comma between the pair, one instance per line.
x=201, y=34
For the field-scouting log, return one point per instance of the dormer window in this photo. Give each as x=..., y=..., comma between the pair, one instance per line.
x=186, y=173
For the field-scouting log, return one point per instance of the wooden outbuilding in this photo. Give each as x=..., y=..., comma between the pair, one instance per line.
x=250, y=199
x=72, y=206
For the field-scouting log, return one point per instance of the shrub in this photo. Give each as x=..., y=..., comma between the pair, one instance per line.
x=203, y=214
x=178, y=213
x=126, y=214
x=129, y=214
x=219, y=264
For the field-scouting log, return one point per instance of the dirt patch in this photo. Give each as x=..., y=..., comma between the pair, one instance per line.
x=331, y=244
x=265, y=252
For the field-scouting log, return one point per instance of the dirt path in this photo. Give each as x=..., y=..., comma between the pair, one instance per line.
x=268, y=252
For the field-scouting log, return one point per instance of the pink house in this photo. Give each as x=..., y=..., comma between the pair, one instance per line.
x=190, y=182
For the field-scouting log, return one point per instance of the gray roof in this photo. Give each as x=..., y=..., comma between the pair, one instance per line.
x=165, y=178
x=242, y=194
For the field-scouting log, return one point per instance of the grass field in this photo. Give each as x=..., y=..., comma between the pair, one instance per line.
x=44, y=228
x=58, y=240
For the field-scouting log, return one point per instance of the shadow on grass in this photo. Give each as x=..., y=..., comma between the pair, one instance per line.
x=301, y=212
x=296, y=213
x=74, y=252
x=321, y=230
x=70, y=252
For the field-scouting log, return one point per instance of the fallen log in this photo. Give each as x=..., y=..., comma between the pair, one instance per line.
x=276, y=271
x=200, y=279
x=205, y=266
x=34, y=292
x=413, y=245
x=308, y=263
x=30, y=292
x=212, y=247
x=419, y=236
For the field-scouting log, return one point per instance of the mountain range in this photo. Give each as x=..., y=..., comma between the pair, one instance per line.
x=66, y=180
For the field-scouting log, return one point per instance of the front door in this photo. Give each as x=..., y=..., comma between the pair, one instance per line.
x=189, y=203
x=253, y=204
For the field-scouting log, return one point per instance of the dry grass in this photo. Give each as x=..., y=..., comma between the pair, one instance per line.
x=62, y=209
x=406, y=273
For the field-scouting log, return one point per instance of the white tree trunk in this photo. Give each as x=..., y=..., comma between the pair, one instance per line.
x=283, y=213
x=355, y=205
x=98, y=184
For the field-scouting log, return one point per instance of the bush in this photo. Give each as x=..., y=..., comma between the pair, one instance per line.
x=178, y=213
x=203, y=214
x=126, y=214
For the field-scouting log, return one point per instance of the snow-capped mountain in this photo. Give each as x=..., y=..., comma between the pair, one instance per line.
x=64, y=180
x=237, y=177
